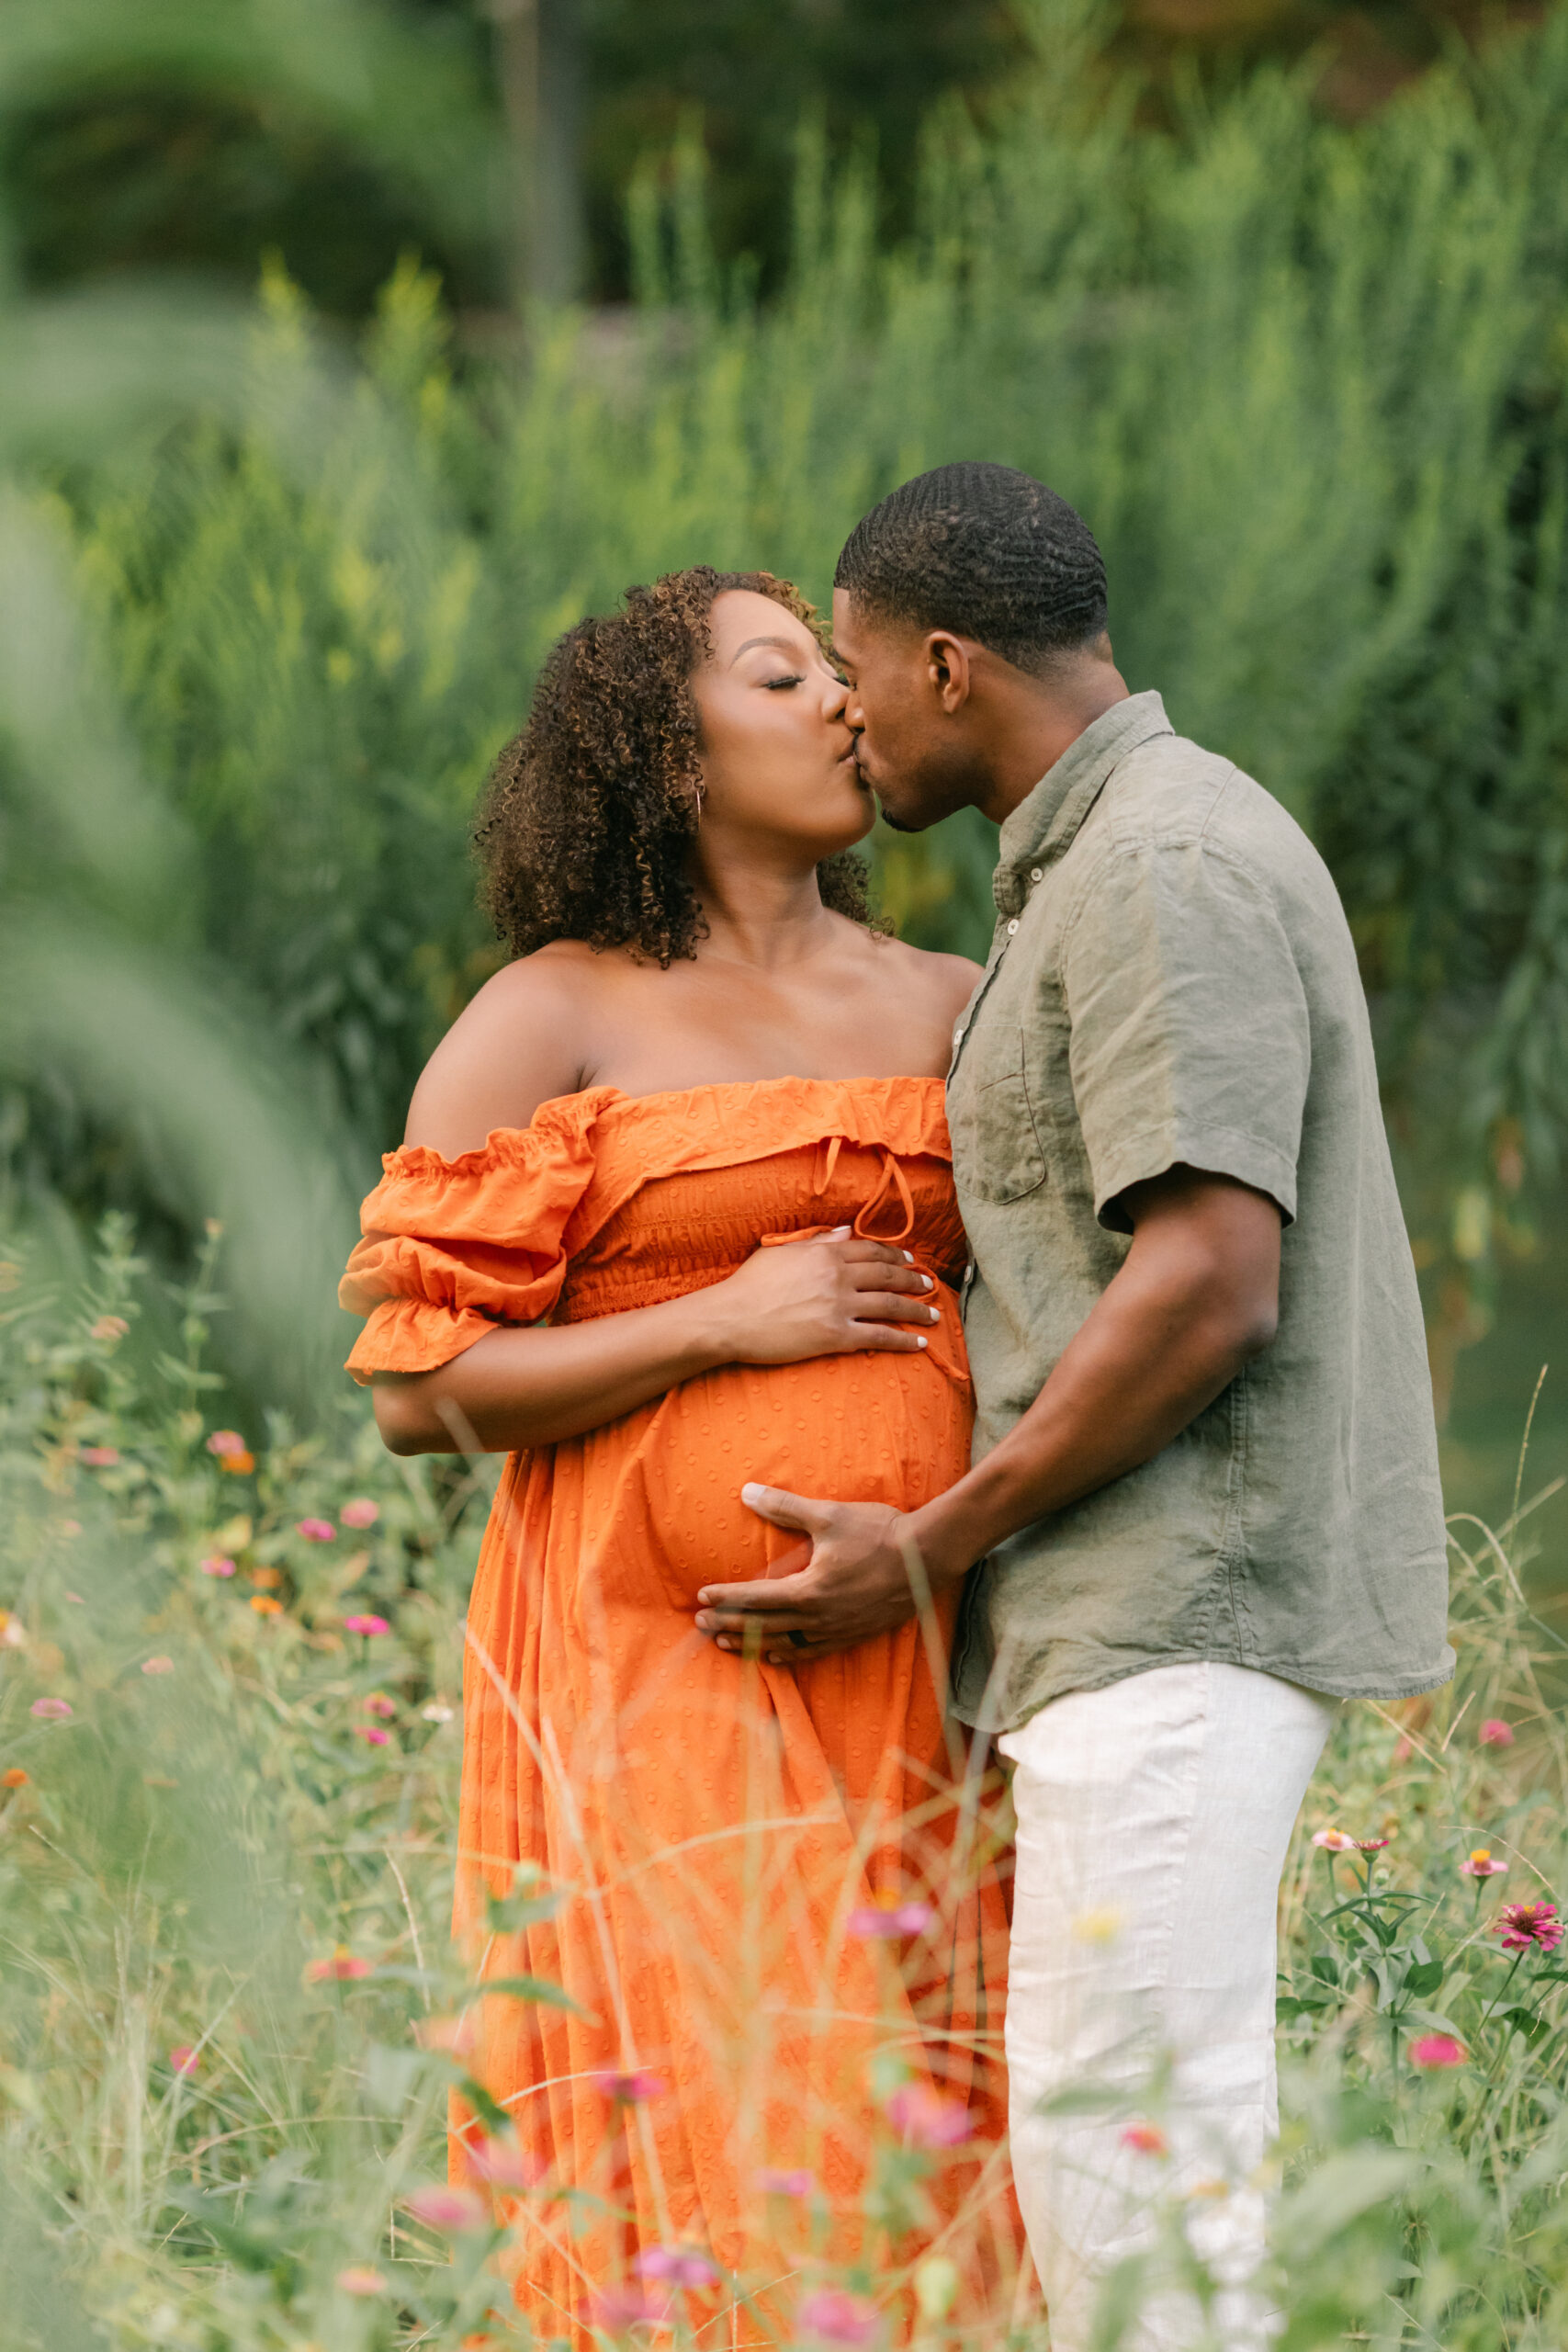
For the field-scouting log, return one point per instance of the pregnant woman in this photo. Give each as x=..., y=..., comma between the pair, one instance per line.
x=675, y=1211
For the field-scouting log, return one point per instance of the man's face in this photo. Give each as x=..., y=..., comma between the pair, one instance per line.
x=912, y=748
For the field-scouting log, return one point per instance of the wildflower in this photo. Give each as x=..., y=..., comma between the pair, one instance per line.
x=379, y=1704
x=775, y=2183
x=677, y=2265
x=15, y=1778
x=265, y=1605
x=1435, y=2050
x=360, y=1512
x=157, y=1666
x=890, y=1915
x=99, y=1457
x=217, y=1567
x=1101, y=1926
x=1495, y=1733
x=1369, y=1844
x=506, y=2167
x=182, y=2058
x=439, y=1712
x=225, y=1442
x=366, y=1625
x=630, y=2088
x=344, y=1967
x=928, y=2119
x=835, y=2317
x=617, y=2309
x=360, y=2279
x=1480, y=1864
x=1333, y=1841
x=238, y=1465
x=1520, y=1925
x=110, y=1327
x=936, y=2282
x=453, y=2035
x=451, y=2211
x=267, y=1578
x=372, y=1735
x=13, y=1633
x=53, y=1711
x=1147, y=2138
x=316, y=1530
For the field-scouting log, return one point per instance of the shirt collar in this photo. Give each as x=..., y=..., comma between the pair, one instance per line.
x=1042, y=827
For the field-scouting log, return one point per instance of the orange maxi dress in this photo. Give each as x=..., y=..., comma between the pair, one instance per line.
x=775, y=1897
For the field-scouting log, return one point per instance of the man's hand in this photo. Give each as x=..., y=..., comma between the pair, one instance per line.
x=856, y=1583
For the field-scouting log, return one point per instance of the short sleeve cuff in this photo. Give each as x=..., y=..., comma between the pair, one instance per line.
x=1216, y=1151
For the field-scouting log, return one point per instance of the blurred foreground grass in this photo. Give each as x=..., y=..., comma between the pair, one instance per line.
x=229, y=1677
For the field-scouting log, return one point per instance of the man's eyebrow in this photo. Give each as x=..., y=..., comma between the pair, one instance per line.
x=784, y=644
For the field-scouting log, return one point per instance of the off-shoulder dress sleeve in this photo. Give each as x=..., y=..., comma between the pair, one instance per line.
x=453, y=1248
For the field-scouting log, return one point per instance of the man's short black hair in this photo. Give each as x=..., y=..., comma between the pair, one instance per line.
x=987, y=552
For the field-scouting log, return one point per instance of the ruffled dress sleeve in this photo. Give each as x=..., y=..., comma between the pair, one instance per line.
x=453, y=1248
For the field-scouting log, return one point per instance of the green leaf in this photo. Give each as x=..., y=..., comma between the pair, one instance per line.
x=1425, y=1977
x=526, y=1988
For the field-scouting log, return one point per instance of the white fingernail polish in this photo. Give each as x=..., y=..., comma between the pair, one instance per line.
x=909, y=1258
x=927, y=1282
x=920, y=1344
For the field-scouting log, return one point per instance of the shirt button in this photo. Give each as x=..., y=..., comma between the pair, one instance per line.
x=1036, y=874
x=1012, y=926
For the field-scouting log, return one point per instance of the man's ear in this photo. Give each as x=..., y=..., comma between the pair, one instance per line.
x=947, y=667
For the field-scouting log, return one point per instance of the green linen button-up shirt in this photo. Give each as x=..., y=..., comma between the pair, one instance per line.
x=1172, y=981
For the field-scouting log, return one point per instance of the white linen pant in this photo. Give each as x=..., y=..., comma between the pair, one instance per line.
x=1152, y=1823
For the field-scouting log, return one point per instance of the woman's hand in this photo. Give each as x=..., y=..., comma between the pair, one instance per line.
x=822, y=1297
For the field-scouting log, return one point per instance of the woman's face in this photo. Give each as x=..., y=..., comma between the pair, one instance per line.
x=777, y=759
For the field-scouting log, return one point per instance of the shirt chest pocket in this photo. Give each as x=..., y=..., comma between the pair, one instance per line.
x=999, y=1154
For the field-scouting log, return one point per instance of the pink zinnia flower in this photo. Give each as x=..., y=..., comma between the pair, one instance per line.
x=366, y=1625
x=360, y=2279
x=928, y=2119
x=379, y=1704
x=217, y=1567
x=224, y=1442
x=835, y=2317
x=182, y=2058
x=316, y=1530
x=1333, y=1841
x=677, y=2265
x=451, y=2211
x=1520, y=1925
x=99, y=1457
x=617, y=2309
x=344, y=1967
x=360, y=1512
x=1369, y=1844
x=630, y=2088
x=372, y=1735
x=773, y=2183
x=157, y=1666
x=890, y=1915
x=1147, y=2138
x=1480, y=1864
x=1495, y=1733
x=506, y=2167
x=1433, y=2050
x=53, y=1711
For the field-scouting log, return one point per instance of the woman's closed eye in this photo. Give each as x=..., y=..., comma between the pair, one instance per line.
x=796, y=678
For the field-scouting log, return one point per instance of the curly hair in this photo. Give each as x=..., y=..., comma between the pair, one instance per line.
x=586, y=829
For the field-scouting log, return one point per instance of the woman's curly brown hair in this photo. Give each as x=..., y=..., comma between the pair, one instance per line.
x=586, y=829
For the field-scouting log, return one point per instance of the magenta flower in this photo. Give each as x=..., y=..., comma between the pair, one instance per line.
x=217, y=1567
x=224, y=1442
x=451, y=2211
x=1435, y=2050
x=775, y=2183
x=366, y=1625
x=372, y=1735
x=360, y=1512
x=54, y=1711
x=890, y=1915
x=1480, y=1864
x=316, y=1530
x=617, y=2309
x=677, y=2265
x=1147, y=2138
x=1495, y=1733
x=182, y=2058
x=1333, y=1841
x=99, y=1457
x=631, y=2087
x=1369, y=1844
x=835, y=2317
x=157, y=1666
x=344, y=1967
x=379, y=1704
x=1520, y=1925
x=928, y=2119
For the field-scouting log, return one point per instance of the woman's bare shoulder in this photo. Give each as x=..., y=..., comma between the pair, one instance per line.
x=522, y=1040
x=944, y=982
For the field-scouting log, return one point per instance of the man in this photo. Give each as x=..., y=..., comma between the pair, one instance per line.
x=1204, y=1496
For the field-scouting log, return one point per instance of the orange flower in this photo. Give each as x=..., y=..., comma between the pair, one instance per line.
x=15, y=1779
x=264, y=1605
x=240, y=1463
x=267, y=1578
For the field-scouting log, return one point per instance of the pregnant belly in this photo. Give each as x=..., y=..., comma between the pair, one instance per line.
x=657, y=1495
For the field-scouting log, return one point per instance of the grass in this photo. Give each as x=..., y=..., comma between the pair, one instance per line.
x=223, y=1908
